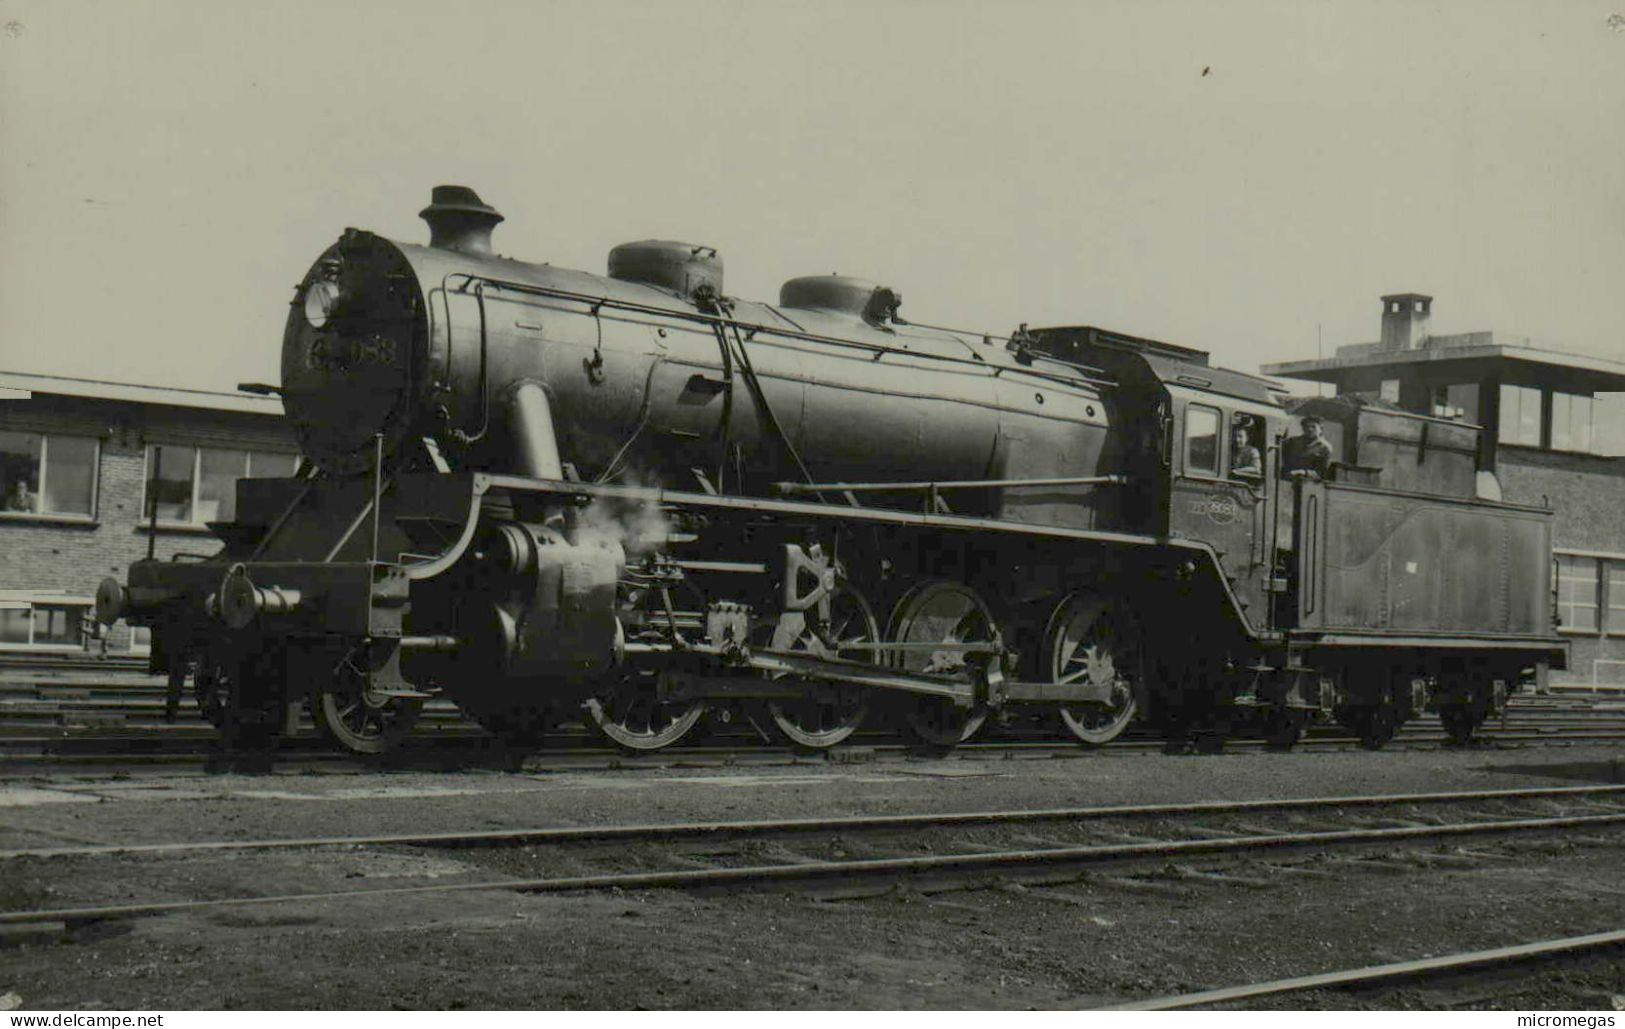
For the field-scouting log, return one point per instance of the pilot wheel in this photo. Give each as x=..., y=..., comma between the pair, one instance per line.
x=357, y=718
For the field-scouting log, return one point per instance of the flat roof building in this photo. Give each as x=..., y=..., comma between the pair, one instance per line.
x=1554, y=432
x=93, y=473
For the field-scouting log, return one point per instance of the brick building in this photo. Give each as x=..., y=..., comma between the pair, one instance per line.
x=84, y=466
x=1554, y=430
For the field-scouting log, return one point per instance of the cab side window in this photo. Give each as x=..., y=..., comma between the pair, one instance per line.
x=1246, y=460
x=1201, y=440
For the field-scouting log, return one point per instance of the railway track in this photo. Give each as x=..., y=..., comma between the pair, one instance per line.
x=582, y=751
x=934, y=852
x=91, y=695
x=126, y=755
x=1475, y=961
x=98, y=713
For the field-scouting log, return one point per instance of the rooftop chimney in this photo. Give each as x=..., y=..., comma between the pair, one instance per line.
x=1405, y=320
x=459, y=220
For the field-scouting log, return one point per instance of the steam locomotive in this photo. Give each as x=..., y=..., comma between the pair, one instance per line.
x=543, y=493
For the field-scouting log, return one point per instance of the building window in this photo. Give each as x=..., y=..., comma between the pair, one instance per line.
x=54, y=624
x=1457, y=401
x=198, y=485
x=1520, y=416
x=1389, y=390
x=1577, y=583
x=1614, y=616
x=1201, y=439
x=48, y=474
x=1571, y=422
x=1608, y=424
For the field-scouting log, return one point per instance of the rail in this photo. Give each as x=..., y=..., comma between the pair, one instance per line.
x=1378, y=974
x=975, y=862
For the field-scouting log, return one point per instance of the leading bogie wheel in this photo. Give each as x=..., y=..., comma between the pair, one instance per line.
x=827, y=714
x=363, y=723
x=356, y=718
x=237, y=688
x=212, y=686
x=1091, y=640
x=941, y=611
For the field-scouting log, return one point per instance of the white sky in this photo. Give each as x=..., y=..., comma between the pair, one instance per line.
x=169, y=170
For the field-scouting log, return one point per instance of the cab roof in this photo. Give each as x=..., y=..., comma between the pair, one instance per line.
x=1130, y=358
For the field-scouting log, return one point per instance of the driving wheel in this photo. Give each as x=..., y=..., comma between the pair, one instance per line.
x=827, y=714
x=949, y=612
x=1088, y=641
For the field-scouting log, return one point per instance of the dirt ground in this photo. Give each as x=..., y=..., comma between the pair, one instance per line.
x=1103, y=938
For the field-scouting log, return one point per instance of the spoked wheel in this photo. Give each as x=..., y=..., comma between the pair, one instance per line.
x=940, y=612
x=629, y=709
x=236, y=690
x=1374, y=724
x=212, y=688
x=827, y=715
x=358, y=719
x=1459, y=723
x=631, y=714
x=1283, y=729
x=1089, y=641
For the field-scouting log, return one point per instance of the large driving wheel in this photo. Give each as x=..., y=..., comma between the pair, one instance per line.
x=358, y=719
x=1090, y=640
x=941, y=612
x=631, y=714
x=827, y=714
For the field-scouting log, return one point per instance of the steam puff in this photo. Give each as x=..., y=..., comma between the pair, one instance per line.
x=637, y=527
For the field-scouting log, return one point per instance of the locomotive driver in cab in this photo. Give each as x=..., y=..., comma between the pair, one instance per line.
x=1307, y=455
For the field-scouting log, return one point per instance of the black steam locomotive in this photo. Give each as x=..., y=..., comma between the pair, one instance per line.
x=539, y=492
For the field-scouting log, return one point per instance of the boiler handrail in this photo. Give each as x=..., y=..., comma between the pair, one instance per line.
x=876, y=487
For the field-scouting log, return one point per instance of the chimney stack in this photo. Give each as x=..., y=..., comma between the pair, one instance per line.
x=1405, y=320
x=459, y=220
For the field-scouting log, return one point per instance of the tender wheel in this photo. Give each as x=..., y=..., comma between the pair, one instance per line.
x=940, y=612
x=1283, y=729
x=631, y=714
x=1087, y=641
x=1374, y=725
x=1459, y=723
x=828, y=714
x=357, y=719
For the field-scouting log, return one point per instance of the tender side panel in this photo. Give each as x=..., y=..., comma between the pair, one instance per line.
x=1402, y=563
